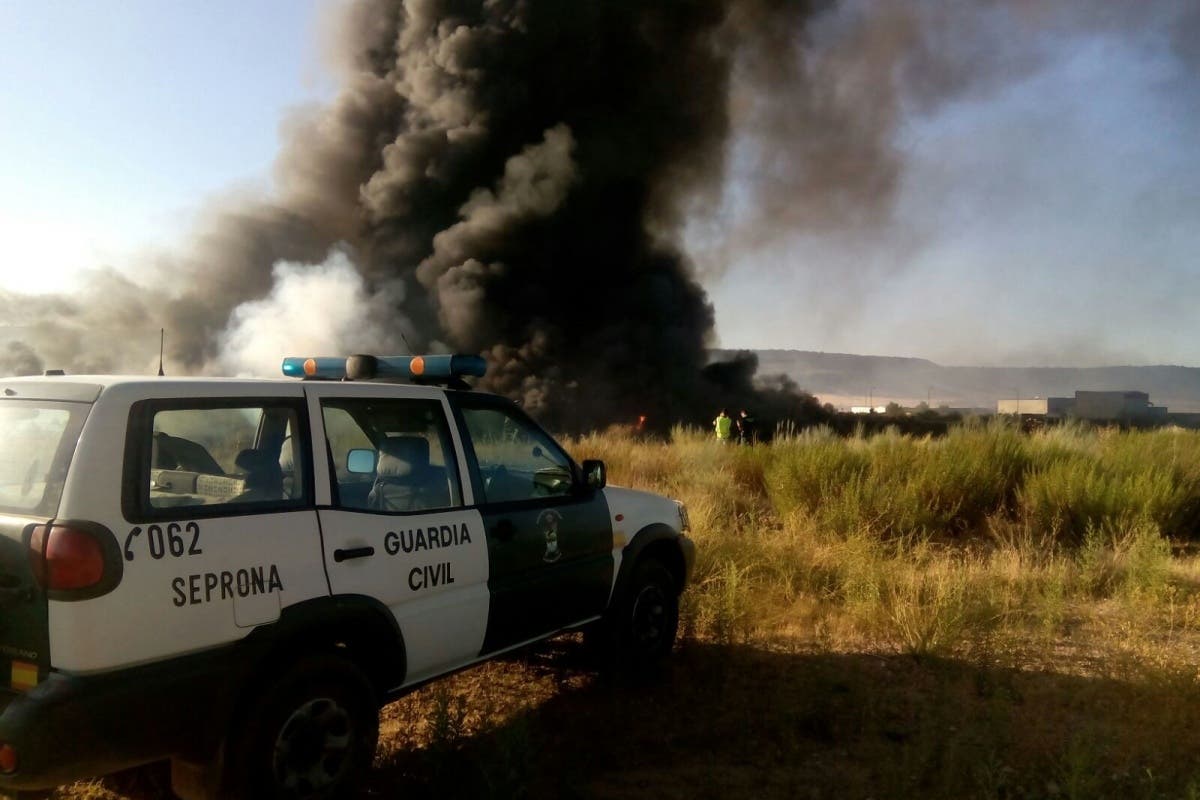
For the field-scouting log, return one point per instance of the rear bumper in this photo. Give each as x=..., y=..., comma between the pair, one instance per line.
x=71, y=727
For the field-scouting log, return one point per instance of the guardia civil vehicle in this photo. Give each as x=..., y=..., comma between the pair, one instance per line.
x=236, y=574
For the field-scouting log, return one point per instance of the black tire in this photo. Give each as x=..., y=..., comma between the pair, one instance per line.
x=310, y=735
x=639, y=631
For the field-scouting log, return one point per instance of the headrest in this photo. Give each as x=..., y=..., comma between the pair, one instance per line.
x=286, y=460
x=400, y=456
x=254, y=461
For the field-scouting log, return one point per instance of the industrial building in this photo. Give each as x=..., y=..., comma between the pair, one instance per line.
x=1115, y=406
x=1049, y=407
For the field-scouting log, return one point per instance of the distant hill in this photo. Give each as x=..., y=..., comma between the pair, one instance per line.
x=845, y=379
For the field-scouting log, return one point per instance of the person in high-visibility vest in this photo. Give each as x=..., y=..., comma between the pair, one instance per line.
x=723, y=426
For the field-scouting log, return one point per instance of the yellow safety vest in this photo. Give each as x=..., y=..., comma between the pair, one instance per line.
x=723, y=425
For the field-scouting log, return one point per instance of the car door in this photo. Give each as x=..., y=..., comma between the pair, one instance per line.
x=211, y=544
x=549, y=539
x=396, y=526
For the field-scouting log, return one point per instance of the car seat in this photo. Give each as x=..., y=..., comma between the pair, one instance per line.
x=405, y=480
x=263, y=480
x=287, y=468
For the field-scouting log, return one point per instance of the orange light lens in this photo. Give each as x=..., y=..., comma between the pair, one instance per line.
x=8, y=759
x=417, y=366
x=310, y=367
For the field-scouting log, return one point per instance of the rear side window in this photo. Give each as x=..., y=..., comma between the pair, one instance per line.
x=35, y=451
x=214, y=457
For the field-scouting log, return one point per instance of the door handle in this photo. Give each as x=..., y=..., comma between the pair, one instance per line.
x=341, y=555
x=504, y=530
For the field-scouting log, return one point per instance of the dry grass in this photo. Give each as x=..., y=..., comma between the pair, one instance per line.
x=986, y=615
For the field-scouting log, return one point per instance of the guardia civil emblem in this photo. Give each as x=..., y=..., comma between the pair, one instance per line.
x=548, y=524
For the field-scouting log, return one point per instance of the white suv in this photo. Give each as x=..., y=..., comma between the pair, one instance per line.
x=236, y=574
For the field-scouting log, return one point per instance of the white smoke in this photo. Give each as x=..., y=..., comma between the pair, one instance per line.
x=312, y=310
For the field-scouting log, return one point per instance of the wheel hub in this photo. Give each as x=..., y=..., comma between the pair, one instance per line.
x=313, y=748
x=649, y=616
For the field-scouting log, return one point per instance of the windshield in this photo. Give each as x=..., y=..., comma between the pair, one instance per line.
x=37, y=439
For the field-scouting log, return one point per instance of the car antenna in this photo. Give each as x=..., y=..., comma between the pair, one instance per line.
x=162, y=337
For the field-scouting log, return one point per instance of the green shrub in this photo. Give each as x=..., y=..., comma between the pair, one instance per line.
x=1175, y=454
x=1072, y=495
x=977, y=469
x=803, y=472
x=896, y=484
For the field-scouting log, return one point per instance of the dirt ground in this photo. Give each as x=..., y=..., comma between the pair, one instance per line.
x=766, y=722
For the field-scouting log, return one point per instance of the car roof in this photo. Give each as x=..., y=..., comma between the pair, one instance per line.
x=112, y=380
x=87, y=388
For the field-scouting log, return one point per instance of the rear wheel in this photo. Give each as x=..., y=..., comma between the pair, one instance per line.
x=309, y=736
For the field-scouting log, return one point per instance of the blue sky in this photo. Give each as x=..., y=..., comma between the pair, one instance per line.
x=1050, y=220
x=118, y=118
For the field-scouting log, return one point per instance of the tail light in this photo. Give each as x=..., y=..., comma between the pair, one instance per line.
x=74, y=561
x=8, y=759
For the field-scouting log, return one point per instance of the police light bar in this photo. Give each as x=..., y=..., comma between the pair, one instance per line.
x=363, y=367
x=328, y=368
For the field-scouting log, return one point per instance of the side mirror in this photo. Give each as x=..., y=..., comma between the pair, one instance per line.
x=595, y=476
x=360, y=461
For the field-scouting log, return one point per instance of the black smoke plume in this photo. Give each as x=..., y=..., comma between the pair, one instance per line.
x=537, y=180
x=514, y=177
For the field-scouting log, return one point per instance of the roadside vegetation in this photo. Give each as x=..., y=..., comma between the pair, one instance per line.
x=986, y=614
x=930, y=545
x=1062, y=559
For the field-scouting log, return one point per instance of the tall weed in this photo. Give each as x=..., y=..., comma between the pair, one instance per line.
x=1125, y=560
x=928, y=610
x=722, y=609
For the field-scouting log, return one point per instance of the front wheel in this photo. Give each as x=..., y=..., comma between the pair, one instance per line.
x=639, y=630
x=309, y=736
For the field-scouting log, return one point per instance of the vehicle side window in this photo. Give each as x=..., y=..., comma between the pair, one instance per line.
x=517, y=461
x=36, y=447
x=225, y=455
x=392, y=455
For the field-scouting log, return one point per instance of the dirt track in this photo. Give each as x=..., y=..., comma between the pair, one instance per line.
x=751, y=722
